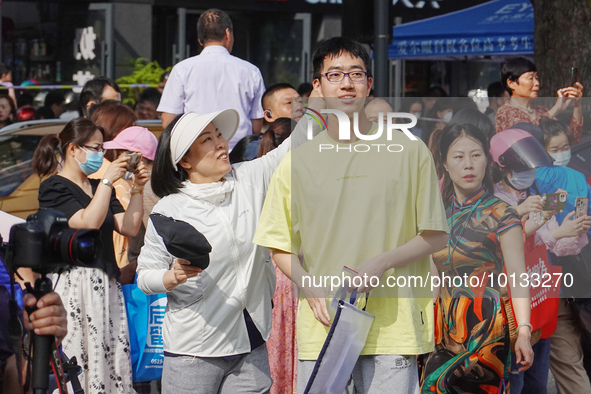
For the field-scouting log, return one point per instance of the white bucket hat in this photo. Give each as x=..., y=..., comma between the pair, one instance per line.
x=190, y=125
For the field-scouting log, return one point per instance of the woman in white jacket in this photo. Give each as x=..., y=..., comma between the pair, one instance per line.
x=218, y=319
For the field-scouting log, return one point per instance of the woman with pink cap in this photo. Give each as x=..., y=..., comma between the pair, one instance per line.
x=140, y=140
x=218, y=318
x=516, y=155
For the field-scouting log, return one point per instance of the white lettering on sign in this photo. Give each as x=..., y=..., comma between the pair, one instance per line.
x=81, y=78
x=84, y=43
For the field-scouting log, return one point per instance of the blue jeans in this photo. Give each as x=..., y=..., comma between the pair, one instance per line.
x=535, y=379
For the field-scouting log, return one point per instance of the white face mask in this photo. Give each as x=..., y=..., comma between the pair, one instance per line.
x=447, y=117
x=561, y=158
x=523, y=180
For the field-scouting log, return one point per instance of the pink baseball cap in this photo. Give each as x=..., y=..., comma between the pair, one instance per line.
x=135, y=139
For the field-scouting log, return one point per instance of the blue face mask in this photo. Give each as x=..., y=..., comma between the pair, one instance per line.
x=94, y=161
x=561, y=158
x=523, y=180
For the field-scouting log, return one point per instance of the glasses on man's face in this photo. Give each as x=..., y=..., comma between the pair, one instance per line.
x=338, y=76
x=98, y=149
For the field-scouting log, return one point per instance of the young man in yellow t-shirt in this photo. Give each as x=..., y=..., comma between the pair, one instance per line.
x=369, y=201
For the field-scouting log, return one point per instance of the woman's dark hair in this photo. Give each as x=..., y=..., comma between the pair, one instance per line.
x=93, y=91
x=448, y=136
x=165, y=178
x=77, y=131
x=277, y=133
x=513, y=68
x=552, y=128
x=113, y=116
x=239, y=154
x=475, y=118
x=408, y=102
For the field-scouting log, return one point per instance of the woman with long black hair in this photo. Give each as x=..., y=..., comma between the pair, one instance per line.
x=217, y=319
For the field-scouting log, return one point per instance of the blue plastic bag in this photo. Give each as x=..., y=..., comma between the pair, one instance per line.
x=145, y=315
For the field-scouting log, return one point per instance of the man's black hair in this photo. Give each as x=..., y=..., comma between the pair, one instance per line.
x=54, y=97
x=274, y=88
x=212, y=25
x=513, y=68
x=4, y=69
x=93, y=91
x=150, y=95
x=336, y=46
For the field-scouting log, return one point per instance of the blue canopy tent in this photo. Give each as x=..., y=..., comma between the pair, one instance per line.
x=499, y=27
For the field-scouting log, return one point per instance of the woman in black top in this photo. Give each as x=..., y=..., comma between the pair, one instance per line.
x=97, y=322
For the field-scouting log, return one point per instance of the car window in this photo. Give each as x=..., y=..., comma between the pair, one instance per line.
x=16, y=157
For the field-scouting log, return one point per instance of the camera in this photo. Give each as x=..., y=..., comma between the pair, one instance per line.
x=45, y=243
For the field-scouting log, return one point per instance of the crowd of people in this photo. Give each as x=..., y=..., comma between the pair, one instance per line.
x=236, y=205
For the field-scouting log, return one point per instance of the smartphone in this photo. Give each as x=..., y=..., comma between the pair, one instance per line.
x=581, y=206
x=574, y=76
x=132, y=164
x=554, y=201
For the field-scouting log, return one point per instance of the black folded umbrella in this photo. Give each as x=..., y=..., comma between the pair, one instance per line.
x=182, y=240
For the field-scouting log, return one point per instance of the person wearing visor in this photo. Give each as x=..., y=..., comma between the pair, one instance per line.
x=219, y=315
x=97, y=323
x=517, y=155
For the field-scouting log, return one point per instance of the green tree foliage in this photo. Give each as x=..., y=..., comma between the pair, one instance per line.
x=144, y=72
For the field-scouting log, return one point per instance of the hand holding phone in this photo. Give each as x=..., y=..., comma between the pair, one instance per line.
x=574, y=76
x=581, y=206
x=554, y=201
x=134, y=160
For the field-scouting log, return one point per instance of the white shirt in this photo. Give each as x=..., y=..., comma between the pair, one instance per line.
x=204, y=317
x=212, y=81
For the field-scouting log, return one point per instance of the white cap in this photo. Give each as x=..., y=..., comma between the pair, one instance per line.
x=190, y=125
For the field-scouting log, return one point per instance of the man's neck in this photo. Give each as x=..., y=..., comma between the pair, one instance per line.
x=215, y=43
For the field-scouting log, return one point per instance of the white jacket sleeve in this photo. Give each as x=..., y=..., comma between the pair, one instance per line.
x=153, y=261
x=264, y=167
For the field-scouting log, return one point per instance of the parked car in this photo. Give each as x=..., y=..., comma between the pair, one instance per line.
x=19, y=187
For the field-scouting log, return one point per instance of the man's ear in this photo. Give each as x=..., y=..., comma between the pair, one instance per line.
x=369, y=85
x=268, y=114
x=90, y=103
x=199, y=42
x=316, y=86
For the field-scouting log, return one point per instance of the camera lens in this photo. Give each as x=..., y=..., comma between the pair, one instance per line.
x=78, y=247
x=87, y=246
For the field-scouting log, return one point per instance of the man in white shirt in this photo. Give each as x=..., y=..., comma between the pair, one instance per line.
x=215, y=80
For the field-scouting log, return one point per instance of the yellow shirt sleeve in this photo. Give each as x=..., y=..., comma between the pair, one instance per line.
x=276, y=227
x=430, y=212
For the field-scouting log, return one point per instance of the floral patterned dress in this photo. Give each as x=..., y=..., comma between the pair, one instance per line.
x=472, y=348
x=508, y=115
